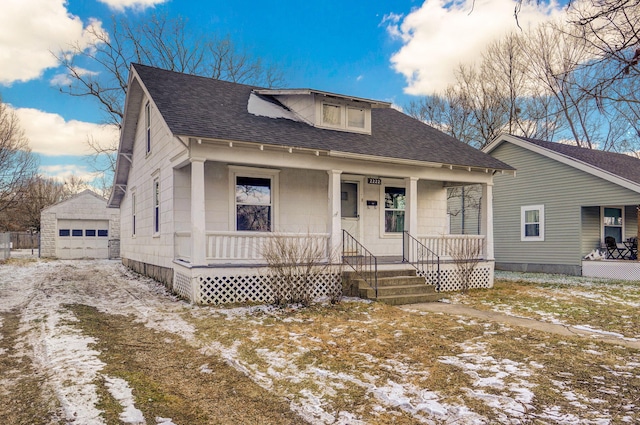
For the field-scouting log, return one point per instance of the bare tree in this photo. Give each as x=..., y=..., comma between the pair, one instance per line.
x=17, y=164
x=156, y=40
x=296, y=264
x=466, y=254
x=37, y=193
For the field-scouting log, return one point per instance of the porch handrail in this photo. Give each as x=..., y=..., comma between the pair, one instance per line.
x=361, y=260
x=424, y=260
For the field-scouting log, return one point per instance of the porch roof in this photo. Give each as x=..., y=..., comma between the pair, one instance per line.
x=206, y=108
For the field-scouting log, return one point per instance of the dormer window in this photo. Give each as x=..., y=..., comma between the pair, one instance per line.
x=355, y=118
x=332, y=115
x=344, y=117
x=317, y=108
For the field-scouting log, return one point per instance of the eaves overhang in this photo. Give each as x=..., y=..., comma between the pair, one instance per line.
x=564, y=159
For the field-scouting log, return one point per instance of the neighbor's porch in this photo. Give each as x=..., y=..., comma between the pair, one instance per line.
x=610, y=242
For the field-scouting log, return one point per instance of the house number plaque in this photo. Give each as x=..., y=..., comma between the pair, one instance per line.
x=373, y=180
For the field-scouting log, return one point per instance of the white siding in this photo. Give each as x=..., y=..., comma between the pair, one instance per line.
x=144, y=246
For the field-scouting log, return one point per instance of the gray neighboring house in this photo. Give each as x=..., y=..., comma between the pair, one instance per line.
x=560, y=206
x=80, y=227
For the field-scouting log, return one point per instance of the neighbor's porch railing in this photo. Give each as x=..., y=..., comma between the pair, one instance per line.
x=241, y=247
x=444, y=245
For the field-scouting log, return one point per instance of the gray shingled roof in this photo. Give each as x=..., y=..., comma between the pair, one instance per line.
x=202, y=107
x=622, y=165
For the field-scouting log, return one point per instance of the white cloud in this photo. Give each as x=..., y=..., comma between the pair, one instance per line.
x=50, y=134
x=30, y=30
x=63, y=172
x=64, y=79
x=121, y=5
x=440, y=35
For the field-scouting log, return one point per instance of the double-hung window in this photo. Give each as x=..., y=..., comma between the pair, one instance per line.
x=156, y=206
x=394, y=205
x=612, y=222
x=254, y=198
x=147, y=124
x=532, y=223
x=133, y=214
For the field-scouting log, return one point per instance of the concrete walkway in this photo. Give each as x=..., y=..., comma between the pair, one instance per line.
x=563, y=330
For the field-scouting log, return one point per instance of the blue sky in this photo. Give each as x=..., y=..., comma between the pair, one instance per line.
x=384, y=50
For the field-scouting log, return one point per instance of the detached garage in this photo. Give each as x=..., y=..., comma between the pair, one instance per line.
x=80, y=227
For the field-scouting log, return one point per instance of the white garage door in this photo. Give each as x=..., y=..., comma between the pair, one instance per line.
x=82, y=239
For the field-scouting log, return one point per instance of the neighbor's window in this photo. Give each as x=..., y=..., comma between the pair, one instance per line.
x=612, y=222
x=355, y=117
x=76, y=232
x=331, y=114
x=254, y=204
x=103, y=233
x=394, y=203
x=90, y=232
x=532, y=223
x=156, y=206
x=147, y=121
x=64, y=232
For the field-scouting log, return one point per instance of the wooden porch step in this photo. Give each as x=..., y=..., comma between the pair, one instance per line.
x=397, y=290
x=410, y=299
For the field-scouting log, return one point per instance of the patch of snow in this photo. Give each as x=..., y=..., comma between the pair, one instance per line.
x=120, y=390
x=263, y=108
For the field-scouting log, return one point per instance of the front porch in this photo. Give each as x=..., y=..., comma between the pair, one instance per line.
x=236, y=271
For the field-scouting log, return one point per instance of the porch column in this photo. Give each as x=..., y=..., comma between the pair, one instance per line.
x=411, y=205
x=487, y=220
x=198, y=220
x=334, y=224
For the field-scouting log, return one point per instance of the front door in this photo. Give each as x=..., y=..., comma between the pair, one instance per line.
x=350, y=207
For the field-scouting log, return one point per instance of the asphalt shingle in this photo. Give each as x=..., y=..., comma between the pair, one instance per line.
x=203, y=107
x=622, y=165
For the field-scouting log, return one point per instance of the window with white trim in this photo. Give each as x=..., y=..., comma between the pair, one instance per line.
x=332, y=115
x=532, y=223
x=254, y=198
x=133, y=214
x=394, y=206
x=612, y=223
x=156, y=206
x=147, y=122
x=345, y=117
x=355, y=118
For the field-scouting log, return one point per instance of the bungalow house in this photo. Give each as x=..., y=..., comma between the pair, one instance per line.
x=562, y=205
x=209, y=170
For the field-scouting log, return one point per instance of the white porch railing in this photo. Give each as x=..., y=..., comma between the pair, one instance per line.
x=243, y=247
x=226, y=247
x=445, y=245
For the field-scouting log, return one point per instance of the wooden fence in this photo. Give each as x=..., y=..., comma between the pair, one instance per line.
x=24, y=240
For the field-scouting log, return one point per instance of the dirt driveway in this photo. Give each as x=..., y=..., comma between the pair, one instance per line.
x=77, y=336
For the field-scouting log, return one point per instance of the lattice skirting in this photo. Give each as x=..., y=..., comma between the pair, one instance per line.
x=221, y=286
x=246, y=286
x=450, y=281
x=182, y=285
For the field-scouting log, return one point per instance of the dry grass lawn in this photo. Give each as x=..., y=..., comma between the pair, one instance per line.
x=71, y=329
